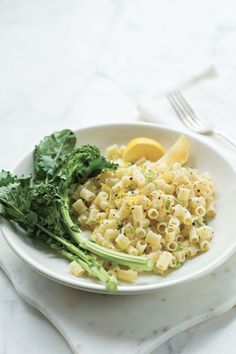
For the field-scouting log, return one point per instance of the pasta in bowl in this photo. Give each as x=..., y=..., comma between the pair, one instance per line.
x=150, y=208
x=202, y=157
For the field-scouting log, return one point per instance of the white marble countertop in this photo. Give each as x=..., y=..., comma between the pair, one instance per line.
x=68, y=63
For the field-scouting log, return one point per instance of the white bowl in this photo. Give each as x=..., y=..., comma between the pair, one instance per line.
x=202, y=156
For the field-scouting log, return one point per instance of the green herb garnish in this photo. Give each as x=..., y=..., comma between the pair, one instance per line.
x=168, y=205
x=185, y=165
x=182, y=247
x=131, y=187
x=178, y=265
x=179, y=201
x=198, y=223
x=149, y=175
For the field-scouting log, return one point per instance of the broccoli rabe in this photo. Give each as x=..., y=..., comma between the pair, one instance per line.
x=40, y=203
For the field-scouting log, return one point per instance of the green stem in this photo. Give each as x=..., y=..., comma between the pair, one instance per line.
x=111, y=283
x=137, y=262
x=72, y=257
x=93, y=267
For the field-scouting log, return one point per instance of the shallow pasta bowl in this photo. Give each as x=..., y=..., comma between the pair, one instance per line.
x=202, y=157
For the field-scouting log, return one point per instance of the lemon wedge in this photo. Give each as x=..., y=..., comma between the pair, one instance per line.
x=179, y=152
x=143, y=147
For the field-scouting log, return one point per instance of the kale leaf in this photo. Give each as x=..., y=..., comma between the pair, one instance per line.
x=51, y=153
x=85, y=162
x=15, y=196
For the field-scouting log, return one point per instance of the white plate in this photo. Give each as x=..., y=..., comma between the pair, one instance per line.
x=202, y=156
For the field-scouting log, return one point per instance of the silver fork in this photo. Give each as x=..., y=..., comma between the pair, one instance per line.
x=191, y=119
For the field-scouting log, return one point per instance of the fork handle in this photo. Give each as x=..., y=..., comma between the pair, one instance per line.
x=226, y=137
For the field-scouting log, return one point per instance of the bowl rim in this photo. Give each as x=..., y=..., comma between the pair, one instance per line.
x=132, y=288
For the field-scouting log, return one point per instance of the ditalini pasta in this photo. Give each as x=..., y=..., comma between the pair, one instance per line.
x=146, y=209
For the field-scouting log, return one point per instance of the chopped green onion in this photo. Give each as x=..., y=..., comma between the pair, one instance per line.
x=179, y=201
x=168, y=205
x=149, y=175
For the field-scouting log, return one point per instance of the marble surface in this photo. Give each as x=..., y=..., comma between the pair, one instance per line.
x=133, y=324
x=72, y=63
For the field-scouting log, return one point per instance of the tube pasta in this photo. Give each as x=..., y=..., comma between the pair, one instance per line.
x=108, y=224
x=138, y=213
x=124, y=211
x=104, y=204
x=87, y=195
x=171, y=246
x=193, y=236
x=183, y=194
x=153, y=214
x=192, y=251
x=179, y=238
x=187, y=218
x=82, y=219
x=211, y=211
x=122, y=241
x=92, y=216
x=146, y=209
x=140, y=246
x=132, y=250
x=205, y=233
x=129, y=276
x=100, y=216
x=153, y=239
x=113, y=152
x=164, y=260
x=173, y=262
x=101, y=196
x=200, y=211
x=79, y=206
x=140, y=232
x=111, y=234
x=174, y=222
x=161, y=227
x=204, y=245
x=76, y=269
x=180, y=256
